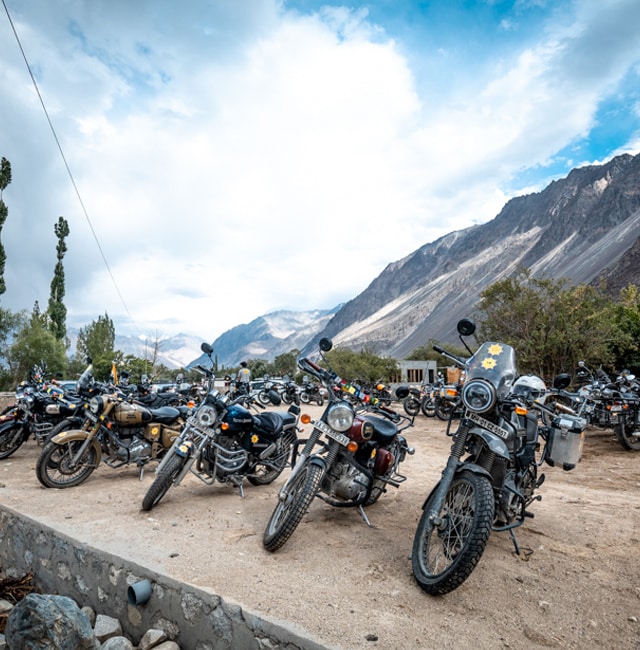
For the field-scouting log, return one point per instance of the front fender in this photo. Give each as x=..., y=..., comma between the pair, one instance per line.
x=495, y=444
x=462, y=467
x=76, y=434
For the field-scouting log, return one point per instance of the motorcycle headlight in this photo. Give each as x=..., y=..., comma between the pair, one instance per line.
x=479, y=395
x=340, y=416
x=206, y=416
x=96, y=405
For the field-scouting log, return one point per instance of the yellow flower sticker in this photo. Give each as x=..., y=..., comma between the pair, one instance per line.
x=489, y=363
x=495, y=349
x=254, y=438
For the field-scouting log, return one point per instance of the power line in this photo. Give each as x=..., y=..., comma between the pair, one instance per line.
x=73, y=182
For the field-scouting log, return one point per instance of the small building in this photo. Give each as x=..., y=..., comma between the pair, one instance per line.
x=417, y=372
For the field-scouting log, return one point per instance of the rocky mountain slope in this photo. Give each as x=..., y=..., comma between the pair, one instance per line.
x=584, y=227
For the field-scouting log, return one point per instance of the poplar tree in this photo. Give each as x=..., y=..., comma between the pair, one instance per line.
x=5, y=179
x=56, y=309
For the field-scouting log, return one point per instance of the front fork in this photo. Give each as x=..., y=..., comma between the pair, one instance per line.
x=448, y=473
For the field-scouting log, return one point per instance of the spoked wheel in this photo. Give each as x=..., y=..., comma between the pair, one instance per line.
x=304, y=397
x=444, y=409
x=428, y=407
x=163, y=481
x=11, y=439
x=263, y=398
x=628, y=435
x=289, y=512
x=54, y=468
x=445, y=553
x=268, y=471
x=411, y=405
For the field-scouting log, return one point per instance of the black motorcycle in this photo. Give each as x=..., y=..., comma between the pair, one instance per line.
x=39, y=409
x=491, y=475
x=350, y=458
x=224, y=441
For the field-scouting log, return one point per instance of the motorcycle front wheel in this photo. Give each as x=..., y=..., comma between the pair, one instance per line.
x=263, y=398
x=11, y=439
x=428, y=407
x=445, y=554
x=162, y=482
x=444, y=409
x=54, y=469
x=411, y=405
x=289, y=512
x=627, y=435
x=319, y=400
x=304, y=397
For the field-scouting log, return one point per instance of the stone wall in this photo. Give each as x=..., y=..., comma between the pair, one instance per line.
x=195, y=618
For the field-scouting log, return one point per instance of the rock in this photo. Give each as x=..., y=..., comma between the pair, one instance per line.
x=117, y=643
x=106, y=627
x=47, y=622
x=151, y=639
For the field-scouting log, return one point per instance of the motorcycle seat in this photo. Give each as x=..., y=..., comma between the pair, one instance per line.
x=270, y=423
x=383, y=430
x=165, y=414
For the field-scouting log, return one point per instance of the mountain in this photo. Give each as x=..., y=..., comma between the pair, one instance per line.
x=268, y=336
x=585, y=227
x=173, y=352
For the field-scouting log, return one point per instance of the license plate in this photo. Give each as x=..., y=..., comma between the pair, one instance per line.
x=486, y=424
x=616, y=408
x=328, y=431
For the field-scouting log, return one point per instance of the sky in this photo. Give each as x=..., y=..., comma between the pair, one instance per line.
x=219, y=160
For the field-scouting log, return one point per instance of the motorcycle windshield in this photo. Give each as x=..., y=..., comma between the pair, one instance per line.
x=495, y=363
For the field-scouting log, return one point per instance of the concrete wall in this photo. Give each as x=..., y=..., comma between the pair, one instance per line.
x=195, y=618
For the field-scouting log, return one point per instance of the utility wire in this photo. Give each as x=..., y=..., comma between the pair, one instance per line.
x=73, y=182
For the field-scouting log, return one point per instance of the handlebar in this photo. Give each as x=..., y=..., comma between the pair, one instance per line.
x=460, y=361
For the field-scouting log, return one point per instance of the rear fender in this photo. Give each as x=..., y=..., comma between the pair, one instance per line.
x=77, y=434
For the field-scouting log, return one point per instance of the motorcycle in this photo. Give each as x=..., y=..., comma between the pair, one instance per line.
x=289, y=392
x=39, y=407
x=115, y=430
x=491, y=475
x=350, y=458
x=311, y=392
x=224, y=441
x=624, y=409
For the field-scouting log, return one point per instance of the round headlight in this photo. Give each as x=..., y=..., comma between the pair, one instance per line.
x=479, y=395
x=340, y=416
x=95, y=405
x=206, y=416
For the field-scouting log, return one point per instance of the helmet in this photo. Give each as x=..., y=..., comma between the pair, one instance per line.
x=529, y=387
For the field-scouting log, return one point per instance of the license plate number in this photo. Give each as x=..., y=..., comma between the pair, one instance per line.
x=328, y=431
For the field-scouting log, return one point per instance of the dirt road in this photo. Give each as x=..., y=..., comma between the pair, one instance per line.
x=576, y=584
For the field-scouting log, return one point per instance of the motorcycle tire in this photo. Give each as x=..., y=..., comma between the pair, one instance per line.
x=163, y=481
x=263, y=398
x=11, y=439
x=444, y=410
x=268, y=471
x=444, y=556
x=286, y=398
x=289, y=512
x=428, y=407
x=411, y=405
x=304, y=397
x=319, y=400
x=625, y=435
x=52, y=467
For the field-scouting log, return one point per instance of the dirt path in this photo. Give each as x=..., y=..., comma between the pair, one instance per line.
x=576, y=584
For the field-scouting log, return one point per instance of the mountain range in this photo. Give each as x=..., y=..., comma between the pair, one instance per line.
x=584, y=227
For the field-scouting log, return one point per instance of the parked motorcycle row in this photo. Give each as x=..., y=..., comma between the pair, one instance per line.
x=503, y=427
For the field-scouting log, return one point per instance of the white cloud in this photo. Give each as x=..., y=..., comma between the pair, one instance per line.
x=251, y=160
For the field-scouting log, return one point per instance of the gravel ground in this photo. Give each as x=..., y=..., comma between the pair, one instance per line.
x=576, y=584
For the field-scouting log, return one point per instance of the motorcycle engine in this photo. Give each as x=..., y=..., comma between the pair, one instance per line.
x=134, y=450
x=227, y=456
x=348, y=483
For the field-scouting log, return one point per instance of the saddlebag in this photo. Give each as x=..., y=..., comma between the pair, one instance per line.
x=566, y=438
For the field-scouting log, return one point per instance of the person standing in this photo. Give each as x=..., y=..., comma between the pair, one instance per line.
x=243, y=377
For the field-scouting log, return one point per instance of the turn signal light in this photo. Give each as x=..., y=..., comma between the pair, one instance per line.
x=224, y=426
x=352, y=447
x=305, y=418
x=521, y=410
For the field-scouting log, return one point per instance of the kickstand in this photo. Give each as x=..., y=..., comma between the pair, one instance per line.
x=514, y=540
x=238, y=483
x=363, y=514
x=141, y=471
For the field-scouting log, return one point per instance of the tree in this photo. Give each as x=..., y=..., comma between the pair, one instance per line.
x=551, y=324
x=286, y=364
x=626, y=344
x=5, y=179
x=34, y=343
x=363, y=366
x=97, y=342
x=57, y=310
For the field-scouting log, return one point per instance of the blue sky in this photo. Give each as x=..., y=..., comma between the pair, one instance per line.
x=237, y=158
